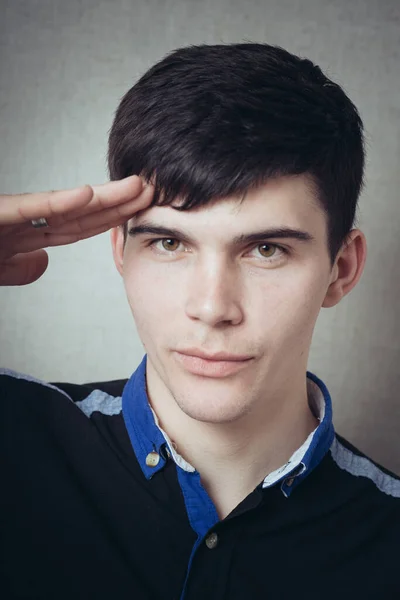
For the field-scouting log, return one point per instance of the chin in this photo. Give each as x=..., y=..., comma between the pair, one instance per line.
x=207, y=411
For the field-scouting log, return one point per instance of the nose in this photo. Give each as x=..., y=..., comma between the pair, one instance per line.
x=214, y=293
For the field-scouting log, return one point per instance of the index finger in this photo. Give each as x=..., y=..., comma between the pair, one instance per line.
x=112, y=193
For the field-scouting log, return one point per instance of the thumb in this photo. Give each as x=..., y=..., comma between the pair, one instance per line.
x=22, y=269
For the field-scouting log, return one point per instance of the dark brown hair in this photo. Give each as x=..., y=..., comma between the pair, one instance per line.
x=213, y=121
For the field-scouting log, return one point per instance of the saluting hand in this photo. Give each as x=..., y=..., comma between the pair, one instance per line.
x=72, y=215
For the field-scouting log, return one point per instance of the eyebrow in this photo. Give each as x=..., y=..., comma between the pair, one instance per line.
x=148, y=227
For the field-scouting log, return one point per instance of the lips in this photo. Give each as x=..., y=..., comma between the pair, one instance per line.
x=211, y=368
x=224, y=356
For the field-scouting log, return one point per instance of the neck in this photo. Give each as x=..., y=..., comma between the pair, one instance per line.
x=234, y=457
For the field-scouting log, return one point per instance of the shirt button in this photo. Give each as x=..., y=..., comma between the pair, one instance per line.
x=289, y=481
x=152, y=459
x=211, y=540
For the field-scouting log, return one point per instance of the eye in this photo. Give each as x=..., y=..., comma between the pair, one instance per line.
x=270, y=250
x=168, y=244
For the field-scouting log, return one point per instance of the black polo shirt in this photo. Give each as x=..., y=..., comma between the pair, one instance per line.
x=96, y=503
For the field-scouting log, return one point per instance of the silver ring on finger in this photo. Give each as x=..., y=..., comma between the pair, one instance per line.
x=42, y=222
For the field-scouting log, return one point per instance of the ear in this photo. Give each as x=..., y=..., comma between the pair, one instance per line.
x=117, y=243
x=348, y=268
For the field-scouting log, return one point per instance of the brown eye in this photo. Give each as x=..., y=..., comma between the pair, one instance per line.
x=269, y=250
x=166, y=243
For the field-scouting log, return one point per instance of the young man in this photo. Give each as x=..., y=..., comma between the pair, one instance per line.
x=215, y=470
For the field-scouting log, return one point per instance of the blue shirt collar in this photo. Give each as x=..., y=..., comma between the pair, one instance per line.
x=153, y=447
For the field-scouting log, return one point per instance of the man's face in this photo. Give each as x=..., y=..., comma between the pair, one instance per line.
x=260, y=299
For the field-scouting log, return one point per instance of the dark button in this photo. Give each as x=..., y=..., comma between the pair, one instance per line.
x=164, y=452
x=211, y=540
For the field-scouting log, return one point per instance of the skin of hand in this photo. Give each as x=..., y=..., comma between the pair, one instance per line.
x=72, y=215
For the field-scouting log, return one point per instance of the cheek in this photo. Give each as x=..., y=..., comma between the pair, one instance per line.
x=288, y=306
x=151, y=294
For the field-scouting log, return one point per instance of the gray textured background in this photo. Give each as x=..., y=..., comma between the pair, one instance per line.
x=65, y=66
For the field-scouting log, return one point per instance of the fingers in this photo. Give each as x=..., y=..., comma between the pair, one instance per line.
x=91, y=225
x=20, y=208
x=114, y=192
x=47, y=240
x=109, y=217
x=67, y=204
x=64, y=239
x=105, y=196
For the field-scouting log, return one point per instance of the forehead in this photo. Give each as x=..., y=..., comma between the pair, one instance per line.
x=289, y=201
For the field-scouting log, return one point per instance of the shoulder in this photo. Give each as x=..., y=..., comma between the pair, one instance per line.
x=77, y=392
x=361, y=471
x=20, y=388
